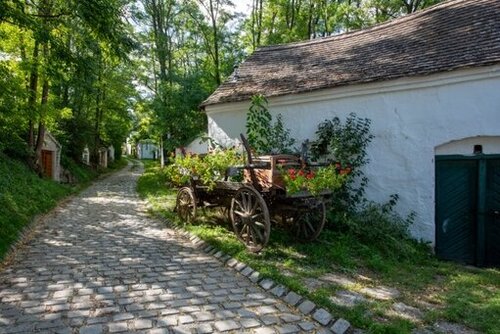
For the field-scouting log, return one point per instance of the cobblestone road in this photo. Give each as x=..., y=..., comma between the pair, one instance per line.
x=99, y=264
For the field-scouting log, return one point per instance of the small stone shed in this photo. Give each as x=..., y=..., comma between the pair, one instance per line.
x=430, y=83
x=103, y=157
x=51, y=157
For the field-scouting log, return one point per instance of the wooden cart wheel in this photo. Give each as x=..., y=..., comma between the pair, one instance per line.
x=250, y=218
x=186, y=205
x=310, y=220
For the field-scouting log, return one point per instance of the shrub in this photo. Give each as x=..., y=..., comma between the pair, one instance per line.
x=264, y=136
x=347, y=144
x=379, y=227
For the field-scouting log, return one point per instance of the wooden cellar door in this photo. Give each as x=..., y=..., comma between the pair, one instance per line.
x=47, y=163
x=468, y=209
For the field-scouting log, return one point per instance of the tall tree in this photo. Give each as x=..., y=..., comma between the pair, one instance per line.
x=50, y=44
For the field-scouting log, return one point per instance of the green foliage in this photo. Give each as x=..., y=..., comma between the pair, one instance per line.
x=63, y=72
x=188, y=49
x=82, y=173
x=280, y=140
x=258, y=124
x=467, y=296
x=283, y=21
x=22, y=196
x=346, y=143
x=264, y=136
x=379, y=226
x=315, y=181
x=208, y=169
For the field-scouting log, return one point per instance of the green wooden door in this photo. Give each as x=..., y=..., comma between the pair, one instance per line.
x=468, y=209
x=492, y=216
x=456, y=188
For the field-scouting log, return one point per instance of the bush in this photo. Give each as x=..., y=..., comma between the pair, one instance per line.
x=347, y=144
x=264, y=136
x=379, y=227
x=23, y=195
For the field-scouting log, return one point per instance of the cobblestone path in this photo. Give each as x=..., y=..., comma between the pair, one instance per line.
x=99, y=264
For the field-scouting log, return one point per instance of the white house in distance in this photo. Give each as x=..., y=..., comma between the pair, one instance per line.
x=111, y=153
x=430, y=83
x=147, y=149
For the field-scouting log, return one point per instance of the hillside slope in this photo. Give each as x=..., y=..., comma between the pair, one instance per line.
x=22, y=196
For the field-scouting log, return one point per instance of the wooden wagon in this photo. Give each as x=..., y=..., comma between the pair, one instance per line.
x=261, y=196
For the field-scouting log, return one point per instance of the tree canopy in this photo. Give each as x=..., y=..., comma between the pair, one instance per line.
x=97, y=72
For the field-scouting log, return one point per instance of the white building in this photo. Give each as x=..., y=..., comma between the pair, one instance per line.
x=51, y=157
x=111, y=153
x=197, y=146
x=430, y=83
x=86, y=156
x=147, y=149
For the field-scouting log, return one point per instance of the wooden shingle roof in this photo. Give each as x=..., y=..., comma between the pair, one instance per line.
x=452, y=35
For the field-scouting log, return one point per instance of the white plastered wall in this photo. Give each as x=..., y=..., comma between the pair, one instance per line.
x=411, y=119
x=197, y=146
x=489, y=144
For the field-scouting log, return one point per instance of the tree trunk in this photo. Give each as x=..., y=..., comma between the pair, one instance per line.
x=162, y=155
x=216, y=43
x=41, y=123
x=32, y=94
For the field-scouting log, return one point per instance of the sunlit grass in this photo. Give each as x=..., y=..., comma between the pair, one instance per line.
x=443, y=291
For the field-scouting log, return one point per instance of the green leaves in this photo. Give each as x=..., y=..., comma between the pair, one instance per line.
x=347, y=144
x=283, y=21
x=208, y=169
x=264, y=136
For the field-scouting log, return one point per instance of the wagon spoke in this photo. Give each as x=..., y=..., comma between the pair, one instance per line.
x=254, y=241
x=260, y=225
x=308, y=224
x=259, y=234
x=244, y=200
x=239, y=213
x=238, y=203
x=255, y=206
x=254, y=217
x=247, y=234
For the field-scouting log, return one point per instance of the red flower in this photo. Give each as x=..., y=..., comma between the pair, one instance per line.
x=345, y=171
x=301, y=172
x=310, y=175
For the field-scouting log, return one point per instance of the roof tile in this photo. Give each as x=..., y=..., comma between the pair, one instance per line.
x=454, y=34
